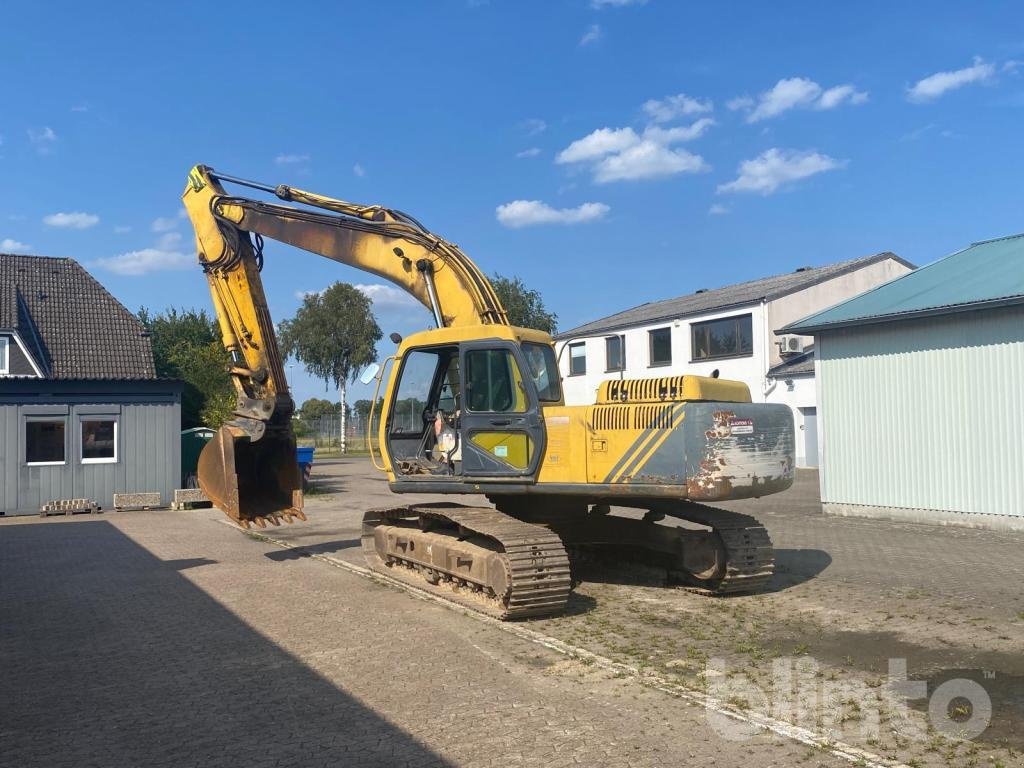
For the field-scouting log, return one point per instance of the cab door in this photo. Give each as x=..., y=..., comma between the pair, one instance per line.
x=502, y=433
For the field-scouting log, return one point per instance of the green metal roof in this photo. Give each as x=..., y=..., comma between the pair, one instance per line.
x=989, y=273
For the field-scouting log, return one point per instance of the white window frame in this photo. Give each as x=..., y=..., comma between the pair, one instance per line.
x=5, y=355
x=81, y=438
x=40, y=419
x=622, y=352
x=578, y=345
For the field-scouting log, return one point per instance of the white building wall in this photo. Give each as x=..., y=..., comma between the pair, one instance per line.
x=922, y=419
x=798, y=305
x=582, y=390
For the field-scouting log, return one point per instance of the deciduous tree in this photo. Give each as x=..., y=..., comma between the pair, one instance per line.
x=334, y=335
x=525, y=307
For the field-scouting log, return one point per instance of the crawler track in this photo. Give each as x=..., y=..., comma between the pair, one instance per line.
x=476, y=557
x=749, y=555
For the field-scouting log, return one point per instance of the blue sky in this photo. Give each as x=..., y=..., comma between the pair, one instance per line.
x=608, y=152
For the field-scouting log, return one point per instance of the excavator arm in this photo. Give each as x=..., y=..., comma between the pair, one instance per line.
x=248, y=469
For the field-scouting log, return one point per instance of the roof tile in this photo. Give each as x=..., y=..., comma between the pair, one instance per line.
x=70, y=321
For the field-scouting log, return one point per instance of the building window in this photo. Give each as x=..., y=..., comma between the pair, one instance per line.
x=99, y=440
x=5, y=359
x=659, y=346
x=615, y=353
x=578, y=359
x=727, y=337
x=44, y=441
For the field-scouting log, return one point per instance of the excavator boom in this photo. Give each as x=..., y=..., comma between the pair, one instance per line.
x=248, y=469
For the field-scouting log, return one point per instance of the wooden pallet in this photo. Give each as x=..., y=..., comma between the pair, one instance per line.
x=70, y=507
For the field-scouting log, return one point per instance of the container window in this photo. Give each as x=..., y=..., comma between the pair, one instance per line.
x=99, y=441
x=44, y=441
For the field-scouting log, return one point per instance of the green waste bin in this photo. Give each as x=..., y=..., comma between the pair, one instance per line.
x=192, y=443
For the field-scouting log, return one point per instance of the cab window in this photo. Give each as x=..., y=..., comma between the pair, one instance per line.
x=418, y=372
x=493, y=382
x=540, y=359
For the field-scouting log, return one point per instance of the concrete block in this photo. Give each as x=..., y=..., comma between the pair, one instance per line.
x=147, y=500
x=184, y=497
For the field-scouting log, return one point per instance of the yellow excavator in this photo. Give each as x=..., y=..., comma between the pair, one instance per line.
x=482, y=413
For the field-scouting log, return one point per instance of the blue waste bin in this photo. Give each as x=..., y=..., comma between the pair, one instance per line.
x=304, y=457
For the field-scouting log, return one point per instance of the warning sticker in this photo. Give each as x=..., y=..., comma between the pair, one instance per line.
x=501, y=451
x=742, y=426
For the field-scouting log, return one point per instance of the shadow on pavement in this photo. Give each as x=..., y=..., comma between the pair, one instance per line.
x=112, y=657
x=795, y=566
x=323, y=548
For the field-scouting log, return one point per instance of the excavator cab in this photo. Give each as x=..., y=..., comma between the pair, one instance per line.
x=468, y=409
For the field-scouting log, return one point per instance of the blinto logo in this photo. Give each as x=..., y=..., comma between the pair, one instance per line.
x=800, y=692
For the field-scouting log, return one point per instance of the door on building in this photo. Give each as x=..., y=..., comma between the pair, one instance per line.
x=810, y=430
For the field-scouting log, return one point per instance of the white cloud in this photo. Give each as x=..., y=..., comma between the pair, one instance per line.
x=740, y=102
x=620, y=154
x=76, y=220
x=933, y=86
x=134, y=263
x=526, y=213
x=290, y=159
x=531, y=152
x=163, y=224
x=122, y=229
x=592, y=35
x=386, y=296
x=672, y=107
x=718, y=210
x=601, y=142
x=9, y=245
x=680, y=133
x=597, y=5
x=833, y=97
x=647, y=160
x=80, y=108
x=533, y=126
x=784, y=95
x=358, y=170
x=42, y=139
x=796, y=93
x=775, y=167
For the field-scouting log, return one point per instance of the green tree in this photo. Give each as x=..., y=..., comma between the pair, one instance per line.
x=316, y=407
x=334, y=335
x=186, y=346
x=525, y=307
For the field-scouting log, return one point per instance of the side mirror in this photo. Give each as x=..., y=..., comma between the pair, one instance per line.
x=370, y=373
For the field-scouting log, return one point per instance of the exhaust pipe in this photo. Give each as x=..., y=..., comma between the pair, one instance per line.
x=252, y=480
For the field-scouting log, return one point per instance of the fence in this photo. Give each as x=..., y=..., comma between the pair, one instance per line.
x=324, y=433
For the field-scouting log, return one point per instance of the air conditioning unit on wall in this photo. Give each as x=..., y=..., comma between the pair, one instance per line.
x=791, y=345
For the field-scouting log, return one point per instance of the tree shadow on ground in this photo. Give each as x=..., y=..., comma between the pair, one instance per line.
x=112, y=657
x=323, y=548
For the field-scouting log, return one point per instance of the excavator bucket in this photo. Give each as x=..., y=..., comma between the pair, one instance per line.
x=252, y=481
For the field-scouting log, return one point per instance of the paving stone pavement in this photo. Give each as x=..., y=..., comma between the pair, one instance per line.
x=168, y=639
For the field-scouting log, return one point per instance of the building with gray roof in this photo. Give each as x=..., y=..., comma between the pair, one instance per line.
x=82, y=412
x=726, y=331
x=919, y=381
